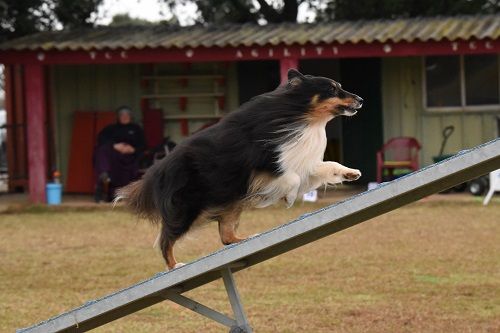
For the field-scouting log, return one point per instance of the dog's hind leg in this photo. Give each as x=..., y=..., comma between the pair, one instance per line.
x=167, y=248
x=174, y=225
x=228, y=223
x=167, y=241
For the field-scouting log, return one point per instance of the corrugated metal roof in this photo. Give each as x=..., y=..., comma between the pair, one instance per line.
x=160, y=36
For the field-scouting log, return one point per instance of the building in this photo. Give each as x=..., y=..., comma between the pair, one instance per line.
x=417, y=76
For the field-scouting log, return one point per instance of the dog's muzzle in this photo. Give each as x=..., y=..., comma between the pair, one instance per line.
x=352, y=109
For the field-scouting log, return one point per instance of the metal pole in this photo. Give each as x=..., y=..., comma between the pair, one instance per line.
x=201, y=309
x=234, y=299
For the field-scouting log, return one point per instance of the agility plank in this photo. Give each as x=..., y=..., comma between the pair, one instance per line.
x=169, y=285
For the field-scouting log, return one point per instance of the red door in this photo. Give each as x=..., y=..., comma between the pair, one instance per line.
x=86, y=126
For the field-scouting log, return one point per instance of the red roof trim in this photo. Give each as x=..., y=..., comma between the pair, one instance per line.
x=252, y=53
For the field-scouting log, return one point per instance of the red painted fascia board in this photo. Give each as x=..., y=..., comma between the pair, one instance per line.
x=203, y=54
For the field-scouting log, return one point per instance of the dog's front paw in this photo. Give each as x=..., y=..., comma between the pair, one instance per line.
x=352, y=174
x=290, y=199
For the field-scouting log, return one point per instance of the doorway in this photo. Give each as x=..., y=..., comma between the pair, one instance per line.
x=362, y=135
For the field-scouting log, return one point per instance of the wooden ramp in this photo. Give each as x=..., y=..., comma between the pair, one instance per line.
x=170, y=285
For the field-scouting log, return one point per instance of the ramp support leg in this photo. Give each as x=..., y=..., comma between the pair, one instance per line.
x=201, y=309
x=234, y=299
x=238, y=325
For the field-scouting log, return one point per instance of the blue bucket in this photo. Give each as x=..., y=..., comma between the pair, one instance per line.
x=54, y=192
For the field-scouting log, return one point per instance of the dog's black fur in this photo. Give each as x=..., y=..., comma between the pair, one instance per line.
x=212, y=169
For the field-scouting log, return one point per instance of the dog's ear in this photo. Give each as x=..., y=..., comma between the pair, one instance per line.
x=294, y=77
x=292, y=73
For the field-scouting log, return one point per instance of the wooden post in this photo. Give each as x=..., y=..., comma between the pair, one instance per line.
x=9, y=107
x=285, y=65
x=36, y=131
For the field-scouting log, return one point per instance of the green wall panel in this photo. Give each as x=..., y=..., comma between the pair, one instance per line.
x=89, y=88
x=105, y=87
x=405, y=115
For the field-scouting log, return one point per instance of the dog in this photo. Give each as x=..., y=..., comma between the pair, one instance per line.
x=270, y=149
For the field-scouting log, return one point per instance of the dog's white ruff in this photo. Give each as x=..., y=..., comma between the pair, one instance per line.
x=301, y=161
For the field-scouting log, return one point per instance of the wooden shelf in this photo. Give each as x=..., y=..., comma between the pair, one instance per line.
x=159, y=88
x=179, y=77
x=178, y=95
x=192, y=117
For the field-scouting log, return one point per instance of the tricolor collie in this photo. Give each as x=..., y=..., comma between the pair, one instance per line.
x=268, y=150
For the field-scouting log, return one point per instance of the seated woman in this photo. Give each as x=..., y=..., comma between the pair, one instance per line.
x=119, y=149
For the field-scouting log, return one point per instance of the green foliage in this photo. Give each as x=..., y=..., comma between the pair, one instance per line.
x=242, y=11
x=277, y=11
x=125, y=19
x=73, y=14
x=24, y=17
x=376, y=9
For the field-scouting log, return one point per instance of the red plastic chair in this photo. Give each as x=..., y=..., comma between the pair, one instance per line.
x=397, y=153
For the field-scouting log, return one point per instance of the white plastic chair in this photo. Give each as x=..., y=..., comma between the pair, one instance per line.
x=494, y=185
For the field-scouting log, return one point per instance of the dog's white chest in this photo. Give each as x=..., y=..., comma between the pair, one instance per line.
x=299, y=157
x=304, y=150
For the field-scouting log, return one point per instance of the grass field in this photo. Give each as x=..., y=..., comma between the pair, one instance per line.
x=429, y=267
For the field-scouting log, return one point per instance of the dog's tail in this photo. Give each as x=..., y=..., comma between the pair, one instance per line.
x=152, y=197
x=138, y=196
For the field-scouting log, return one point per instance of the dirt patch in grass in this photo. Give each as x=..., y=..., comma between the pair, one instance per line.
x=428, y=267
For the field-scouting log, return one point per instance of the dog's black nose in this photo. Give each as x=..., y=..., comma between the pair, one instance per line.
x=359, y=102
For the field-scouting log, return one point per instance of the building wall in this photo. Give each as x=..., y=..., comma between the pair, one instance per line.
x=197, y=106
x=105, y=87
x=404, y=113
x=89, y=88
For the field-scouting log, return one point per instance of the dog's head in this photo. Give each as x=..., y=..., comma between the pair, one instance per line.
x=325, y=96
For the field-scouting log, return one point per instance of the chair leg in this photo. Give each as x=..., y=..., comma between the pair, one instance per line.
x=391, y=173
x=488, y=196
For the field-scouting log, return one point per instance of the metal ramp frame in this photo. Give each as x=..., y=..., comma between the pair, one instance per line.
x=170, y=285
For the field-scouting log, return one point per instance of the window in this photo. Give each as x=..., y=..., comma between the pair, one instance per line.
x=443, y=81
x=481, y=80
x=462, y=82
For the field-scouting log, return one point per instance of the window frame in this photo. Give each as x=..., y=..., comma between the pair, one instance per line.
x=463, y=95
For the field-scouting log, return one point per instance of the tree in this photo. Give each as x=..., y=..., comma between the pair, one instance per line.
x=374, y=9
x=241, y=11
x=125, y=19
x=24, y=17
x=75, y=14
x=277, y=11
